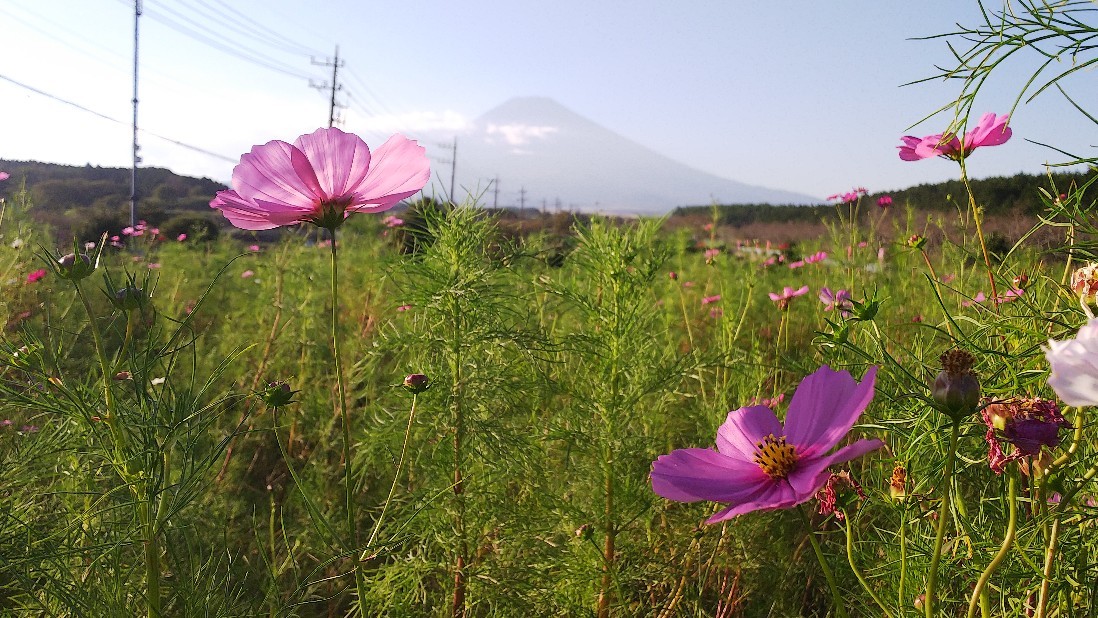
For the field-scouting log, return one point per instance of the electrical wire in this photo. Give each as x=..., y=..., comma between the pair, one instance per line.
x=117, y=121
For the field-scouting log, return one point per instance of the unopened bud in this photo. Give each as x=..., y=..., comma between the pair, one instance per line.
x=277, y=394
x=1021, y=281
x=75, y=267
x=673, y=275
x=416, y=383
x=129, y=298
x=915, y=241
x=956, y=389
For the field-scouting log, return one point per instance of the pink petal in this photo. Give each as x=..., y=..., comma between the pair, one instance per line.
x=812, y=473
x=771, y=498
x=267, y=172
x=989, y=131
x=399, y=169
x=824, y=408
x=744, y=428
x=694, y=474
x=338, y=161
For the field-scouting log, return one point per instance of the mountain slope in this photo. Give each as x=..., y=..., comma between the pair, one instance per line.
x=554, y=153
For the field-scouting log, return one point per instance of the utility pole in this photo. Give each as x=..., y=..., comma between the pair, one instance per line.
x=495, y=196
x=334, y=86
x=136, y=157
x=522, y=200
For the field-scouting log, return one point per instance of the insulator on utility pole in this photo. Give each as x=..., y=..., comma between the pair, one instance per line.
x=333, y=87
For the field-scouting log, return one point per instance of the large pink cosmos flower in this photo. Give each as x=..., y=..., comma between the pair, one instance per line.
x=321, y=178
x=991, y=130
x=761, y=465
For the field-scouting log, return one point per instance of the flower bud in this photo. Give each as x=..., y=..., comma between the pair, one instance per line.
x=277, y=394
x=673, y=275
x=897, y=485
x=916, y=242
x=956, y=389
x=1021, y=281
x=75, y=267
x=416, y=383
x=129, y=298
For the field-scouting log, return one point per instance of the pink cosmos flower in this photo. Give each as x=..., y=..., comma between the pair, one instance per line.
x=247, y=274
x=979, y=298
x=154, y=265
x=392, y=221
x=989, y=131
x=839, y=299
x=253, y=248
x=404, y=307
x=181, y=237
x=796, y=265
x=321, y=179
x=711, y=299
x=759, y=464
x=4, y=176
x=787, y=294
x=1074, y=364
x=884, y=201
x=711, y=254
x=35, y=276
x=819, y=256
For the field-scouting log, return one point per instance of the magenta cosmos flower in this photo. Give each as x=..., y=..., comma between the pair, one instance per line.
x=321, y=179
x=991, y=130
x=761, y=465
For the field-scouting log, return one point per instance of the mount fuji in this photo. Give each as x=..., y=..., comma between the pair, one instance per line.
x=563, y=160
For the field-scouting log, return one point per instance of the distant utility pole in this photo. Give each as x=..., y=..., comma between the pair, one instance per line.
x=544, y=205
x=495, y=196
x=136, y=157
x=335, y=86
x=522, y=200
x=453, y=167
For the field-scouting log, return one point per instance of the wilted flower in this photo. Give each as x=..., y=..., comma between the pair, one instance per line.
x=1074, y=364
x=759, y=464
x=897, y=485
x=1084, y=282
x=989, y=131
x=321, y=179
x=840, y=492
x=956, y=389
x=1027, y=424
x=787, y=294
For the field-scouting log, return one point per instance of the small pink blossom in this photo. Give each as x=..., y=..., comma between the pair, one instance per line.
x=181, y=237
x=716, y=312
x=990, y=130
x=711, y=299
x=404, y=307
x=787, y=294
x=128, y=230
x=4, y=176
x=154, y=265
x=247, y=274
x=35, y=276
x=817, y=257
x=115, y=238
x=884, y=201
x=89, y=245
x=796, y=265
x=839, y=299
x=979, y=298
x=948, y=278
x=253, y=248
x=711, y=254
x=708, y=227
x=392, y=221
x=687, y=284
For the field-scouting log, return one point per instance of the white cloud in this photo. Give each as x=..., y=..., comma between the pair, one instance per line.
x=519, y=134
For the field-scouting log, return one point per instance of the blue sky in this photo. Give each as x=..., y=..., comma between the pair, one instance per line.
x=793, y=95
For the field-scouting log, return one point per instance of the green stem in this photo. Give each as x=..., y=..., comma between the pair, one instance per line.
x=152, y=557
x=1004, y=550
x=107, y=378
x=857, y=572
x=836, y=598
x=977, y=218
x=943, y=512
x=1050, y=560
x=396, y=476
x=903, y=560
x=348, y=467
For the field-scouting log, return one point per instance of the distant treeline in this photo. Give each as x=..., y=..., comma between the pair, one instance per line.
x=1018, y=194
x=86, y=201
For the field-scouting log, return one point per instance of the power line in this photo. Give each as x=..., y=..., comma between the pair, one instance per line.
x=117, y=121
x=334, y=85
x=239, y=52
x=256, y=27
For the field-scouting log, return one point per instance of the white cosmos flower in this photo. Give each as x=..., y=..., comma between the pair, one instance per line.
x=1074, y=364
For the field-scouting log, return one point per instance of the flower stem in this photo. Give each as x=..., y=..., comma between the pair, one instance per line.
x=1004, y=550
x=977, y=218
x=836, y=598
x=857, y=572
x=396, y=475
x=943, y=511
x=1050, y=560
x=341, y=390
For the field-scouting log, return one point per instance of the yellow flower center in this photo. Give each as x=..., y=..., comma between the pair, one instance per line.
x=776, y=458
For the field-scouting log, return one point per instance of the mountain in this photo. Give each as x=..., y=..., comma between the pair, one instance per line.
x=555, y=154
